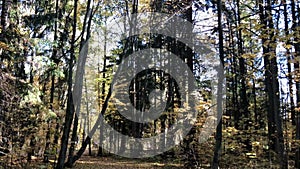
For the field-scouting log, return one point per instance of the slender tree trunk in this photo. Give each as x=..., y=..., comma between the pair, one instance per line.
x=74, y=140
x=84, y=129
x=243, y=91
x=267, y=85
x=48, y=141
x=100, y=149
x=290, y=76
x=289, y=64
x=218, y=137
x=243, y=69
x=87, y=117
x=234, y=87
x=52, y=90
x=4, y=14
x=295, y=24
x=79, y=79
x=56, y=137
x=275, y=94
x=272, y=85
x=70, y=105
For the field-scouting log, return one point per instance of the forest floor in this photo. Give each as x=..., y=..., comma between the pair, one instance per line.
x=109, y=162
x=123, y=163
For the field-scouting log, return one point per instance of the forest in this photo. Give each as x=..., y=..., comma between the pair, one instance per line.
x=149, y=84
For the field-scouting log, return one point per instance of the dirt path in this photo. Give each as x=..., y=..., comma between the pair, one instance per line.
x=113, y=163
x=88, y=162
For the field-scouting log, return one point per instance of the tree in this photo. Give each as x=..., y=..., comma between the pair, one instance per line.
x=70, y=105
x=271, y=82
x=217, y=151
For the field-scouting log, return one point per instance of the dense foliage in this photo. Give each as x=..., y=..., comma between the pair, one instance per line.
x=44, y=58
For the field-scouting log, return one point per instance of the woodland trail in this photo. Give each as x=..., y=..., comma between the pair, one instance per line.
x=92, y=162
x=113, y=163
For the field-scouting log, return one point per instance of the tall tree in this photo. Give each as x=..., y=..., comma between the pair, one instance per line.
x=6, y=5
x=296, y=44
x=70, y=106
x=218, y=137
x=271, y=82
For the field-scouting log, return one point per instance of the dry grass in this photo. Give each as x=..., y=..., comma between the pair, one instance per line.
x=113, y=163
x=87, y=162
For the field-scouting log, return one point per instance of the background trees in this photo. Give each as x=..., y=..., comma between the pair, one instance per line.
x=41, y=41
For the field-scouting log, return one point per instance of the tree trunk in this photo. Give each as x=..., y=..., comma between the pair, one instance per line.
x=88, y=138
x=100, y=149
x=52, y=90
x=218, y=137
x=4, y=14
x=295, y=24
x=86, y=120
x=272, y=85
x=70, y=105
x=74, y=140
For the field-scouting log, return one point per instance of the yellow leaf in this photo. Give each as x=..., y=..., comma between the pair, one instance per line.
x=248, y=56
x=4, y=46
x=287, y=46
